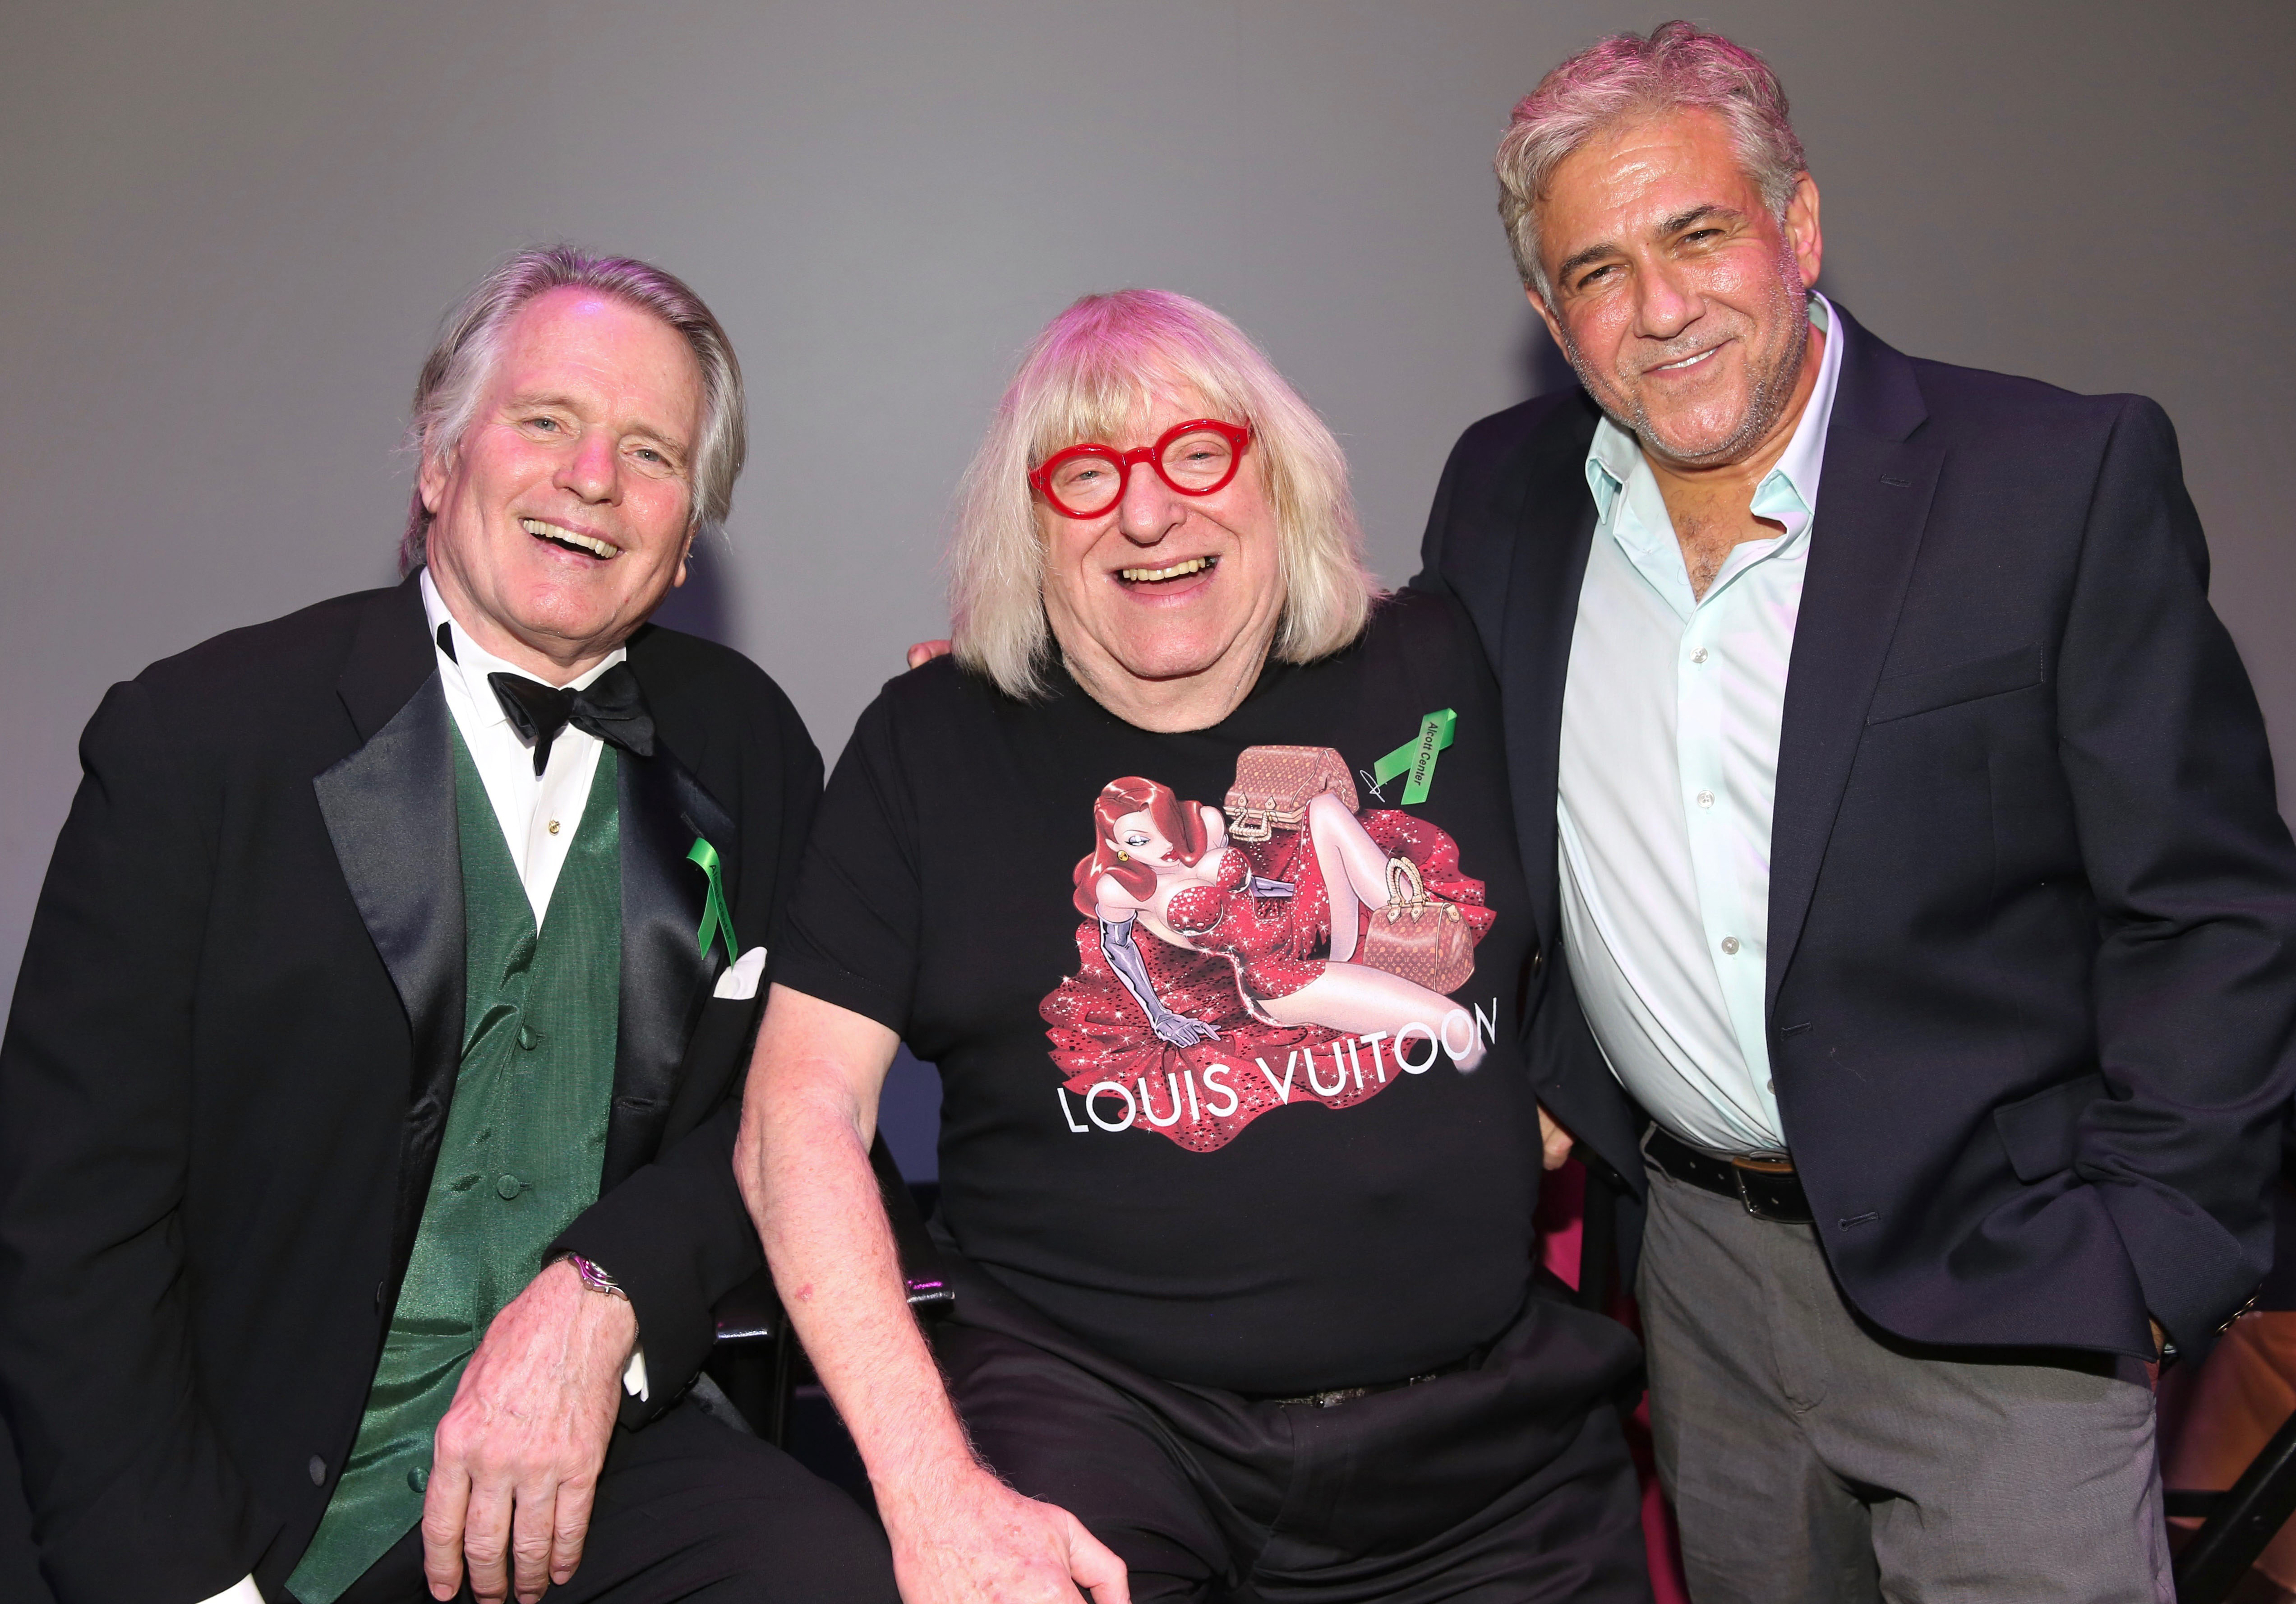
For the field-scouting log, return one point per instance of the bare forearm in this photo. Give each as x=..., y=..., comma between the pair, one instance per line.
x=815, y=1198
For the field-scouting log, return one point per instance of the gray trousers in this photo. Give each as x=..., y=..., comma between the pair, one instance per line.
x=1814, y=1459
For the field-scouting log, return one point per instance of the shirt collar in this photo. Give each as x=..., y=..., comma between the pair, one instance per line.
x=1788, y=492
x=471, y=662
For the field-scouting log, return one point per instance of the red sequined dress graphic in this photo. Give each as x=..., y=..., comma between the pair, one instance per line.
x=1255, y=916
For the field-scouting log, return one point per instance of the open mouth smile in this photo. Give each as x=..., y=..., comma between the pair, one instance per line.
x=566, y=540
x=1675, y=367
x=1158, y=576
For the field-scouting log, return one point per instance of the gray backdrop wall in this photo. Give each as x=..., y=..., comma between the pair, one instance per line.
x=228, y=227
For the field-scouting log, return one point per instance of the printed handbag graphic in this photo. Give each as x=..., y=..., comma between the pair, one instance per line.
x=1233, y=961
x=1274, y=785
x=1422, y=938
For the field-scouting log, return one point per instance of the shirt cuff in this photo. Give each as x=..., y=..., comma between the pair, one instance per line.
x=634, y=1383
x=244, y=1593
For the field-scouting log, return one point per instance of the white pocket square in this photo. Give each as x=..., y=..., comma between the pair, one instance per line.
x=739, y=981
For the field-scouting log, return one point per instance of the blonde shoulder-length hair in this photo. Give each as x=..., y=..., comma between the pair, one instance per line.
x=1092, y=374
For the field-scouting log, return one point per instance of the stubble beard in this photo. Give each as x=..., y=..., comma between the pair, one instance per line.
x=1766, y=402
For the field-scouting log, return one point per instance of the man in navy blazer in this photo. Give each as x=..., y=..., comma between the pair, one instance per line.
x=1915, y=912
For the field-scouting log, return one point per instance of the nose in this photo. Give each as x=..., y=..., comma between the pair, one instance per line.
x=592, y=470
x=1148, y=508
x=1667, y=303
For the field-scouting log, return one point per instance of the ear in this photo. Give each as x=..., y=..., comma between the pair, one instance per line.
x=1545, y=315
x=430, y=478
x=678, y=577
x=1802, y=230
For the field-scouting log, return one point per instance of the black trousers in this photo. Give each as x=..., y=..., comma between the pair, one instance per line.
x=689, y=1509
x=1506, y=1482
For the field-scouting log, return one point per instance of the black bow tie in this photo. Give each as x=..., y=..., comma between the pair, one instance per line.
x=612, y=708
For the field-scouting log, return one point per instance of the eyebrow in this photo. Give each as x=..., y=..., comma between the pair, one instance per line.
x=550, y=399
x=1666, y=227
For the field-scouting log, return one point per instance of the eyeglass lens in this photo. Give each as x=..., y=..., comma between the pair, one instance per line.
x=1194, y=463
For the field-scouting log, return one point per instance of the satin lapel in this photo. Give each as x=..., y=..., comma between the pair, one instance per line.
x=665, y=978
x=389, y=809
x=1873, y=502
x=1554, y=527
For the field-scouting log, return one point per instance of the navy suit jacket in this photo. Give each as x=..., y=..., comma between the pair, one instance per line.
x=2031, y=984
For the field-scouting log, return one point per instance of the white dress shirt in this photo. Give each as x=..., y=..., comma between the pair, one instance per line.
x=1668, y=778
x=538, y=815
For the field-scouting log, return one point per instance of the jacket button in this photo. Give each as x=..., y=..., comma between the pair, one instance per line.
x=418, y=1478
x=318, y=1470
x=527, y=1037
x=508, y=1188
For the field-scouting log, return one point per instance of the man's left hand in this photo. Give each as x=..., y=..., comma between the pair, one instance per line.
x=514, y=1465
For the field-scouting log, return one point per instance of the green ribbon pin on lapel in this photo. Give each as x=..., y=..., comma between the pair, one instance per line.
x=1418, y=755
x=716, y=918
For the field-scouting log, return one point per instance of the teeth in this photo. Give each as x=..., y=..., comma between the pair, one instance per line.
x=1686, y=361
x=1139, y=576
x=567, y=537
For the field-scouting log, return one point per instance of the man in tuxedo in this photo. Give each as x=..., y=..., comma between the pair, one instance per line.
x=367, y=1100
x=1916, y=916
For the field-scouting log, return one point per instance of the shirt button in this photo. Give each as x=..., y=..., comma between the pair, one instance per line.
x=508, y=1188
x=1706, y=799
x=418, y=1478
x=527, y=1037
x=318, y=1470
x=1699, y=656
x=553, y=827
x=1730, y=943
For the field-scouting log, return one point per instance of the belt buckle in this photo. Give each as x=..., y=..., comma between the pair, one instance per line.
x=1740, y=1169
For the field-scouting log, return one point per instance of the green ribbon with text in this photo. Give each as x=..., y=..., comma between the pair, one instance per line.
x=1417, y=755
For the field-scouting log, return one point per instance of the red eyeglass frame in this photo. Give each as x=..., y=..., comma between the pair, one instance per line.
x=1237, y=435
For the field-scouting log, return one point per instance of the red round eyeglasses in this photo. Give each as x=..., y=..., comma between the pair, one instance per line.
x=1195, y=458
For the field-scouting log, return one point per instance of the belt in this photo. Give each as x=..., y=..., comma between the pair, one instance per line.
x=1348, y=1394
x=1767, y=1187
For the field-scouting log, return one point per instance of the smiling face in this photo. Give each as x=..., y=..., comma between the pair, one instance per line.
x=1681, y=302
x=564, y=516
x=1164, y=605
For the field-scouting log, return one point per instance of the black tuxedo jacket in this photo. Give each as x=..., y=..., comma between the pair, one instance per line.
x=2030, y=978
x=232, y=1049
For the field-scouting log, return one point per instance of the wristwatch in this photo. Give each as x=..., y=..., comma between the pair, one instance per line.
x=596, y=1278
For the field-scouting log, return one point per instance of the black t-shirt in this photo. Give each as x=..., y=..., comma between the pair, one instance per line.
x=1317, y=1195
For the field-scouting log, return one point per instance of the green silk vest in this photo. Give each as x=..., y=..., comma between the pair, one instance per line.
x=520, y=1158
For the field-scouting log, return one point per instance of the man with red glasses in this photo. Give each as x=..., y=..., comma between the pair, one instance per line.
x=1193, y=875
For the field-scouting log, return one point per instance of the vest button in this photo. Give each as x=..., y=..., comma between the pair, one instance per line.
x=318, y=1470
x=418, y=1478
x=527, y=1037
x=508, y=1188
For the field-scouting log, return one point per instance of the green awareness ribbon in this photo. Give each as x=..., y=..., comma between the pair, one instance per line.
x=716, y=917
x=1418, y=754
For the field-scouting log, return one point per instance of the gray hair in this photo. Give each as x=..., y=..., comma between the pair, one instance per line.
x=1678, y=67
x=1092, y=373
x=455, y=374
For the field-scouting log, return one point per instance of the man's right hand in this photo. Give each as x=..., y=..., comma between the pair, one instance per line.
x=970, y=1539
x=925, y=651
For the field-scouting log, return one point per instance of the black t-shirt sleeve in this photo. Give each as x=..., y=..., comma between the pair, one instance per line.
x=850, y=932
